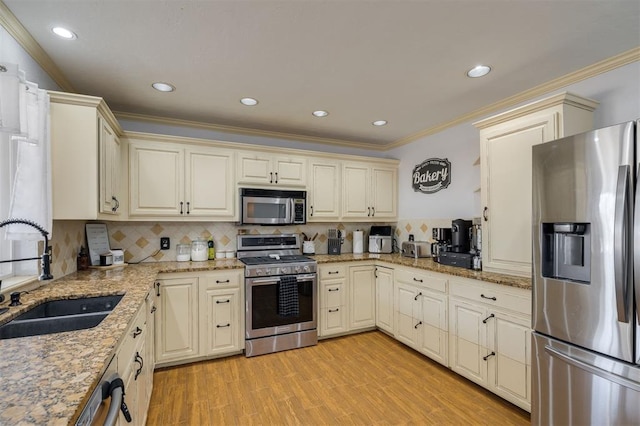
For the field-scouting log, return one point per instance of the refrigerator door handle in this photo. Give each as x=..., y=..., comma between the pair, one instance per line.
x=620, y=242
x=612, y=377
x=636, y=247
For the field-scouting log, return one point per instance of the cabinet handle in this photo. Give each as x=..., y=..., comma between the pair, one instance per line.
x=334, y=289
x=417, y=295
x=223, y=301
x=484, y=321
x=276, y=177
x=332, y=273
x=484, y=214
x=490, y=298
x=271, y=177
x=117, y=206
x=157, y=284
x=223, y=326
x=153, y=309
x=181, y=203
x=417, y=280
x=369, y=209
x=188, y=207
x=373, y=211
x=375, y=272
x=140, y=361
x=137, y=332
x=334, y=310
x=311, y=211
x=416, y=326
x=222, y=282
x=489, y=356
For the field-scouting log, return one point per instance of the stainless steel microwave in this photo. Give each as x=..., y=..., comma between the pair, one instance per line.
x=272, y=207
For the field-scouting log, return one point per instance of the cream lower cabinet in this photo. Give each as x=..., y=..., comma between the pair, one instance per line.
x=199, y=316
x=421, y=312
x=263, y=168
x=179, y=180
x=332, y=317
x=384, y=299
x=505, y=160
x=490, y=337
x=369, y=192
x=362, y=297
x=323, y=191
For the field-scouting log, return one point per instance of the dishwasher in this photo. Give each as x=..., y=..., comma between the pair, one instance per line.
x=106, y=401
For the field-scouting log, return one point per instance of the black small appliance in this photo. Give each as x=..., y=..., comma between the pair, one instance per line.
x=460, y=236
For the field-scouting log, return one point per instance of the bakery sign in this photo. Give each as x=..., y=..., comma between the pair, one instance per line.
x=431, y=175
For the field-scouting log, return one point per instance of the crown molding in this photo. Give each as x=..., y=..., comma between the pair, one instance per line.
x=598, y=68
x=87, y=101
x=31, y=46
x=246, y=131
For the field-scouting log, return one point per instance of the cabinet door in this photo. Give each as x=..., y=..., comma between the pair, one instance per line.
x=222, y=321
x=177, y=314
x=109, y=169
x=254, y=168
x=333, y=306
x=210, y=186
x=323, y=197
x=407, y=314
x=290, y=171
x=362, y=293
x=355, y=191
x=156, y=179
x=433, y=330
x=384, y=299
x=467, y=335
x=384, y=193
x=510, y=368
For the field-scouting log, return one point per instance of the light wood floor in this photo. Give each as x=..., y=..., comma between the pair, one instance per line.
x=363, y=379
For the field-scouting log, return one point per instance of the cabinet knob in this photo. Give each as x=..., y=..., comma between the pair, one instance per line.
x=223, y=325
x=334, y=289
x=489, y=356
x=334, y=310
x=222, y=282
x=417, y=295
x=418, y=280
x=137, y=332
x=373, y=211
x=416, y=326
x=276, y=177
x=188, y=207
x=117, y=206
x=311, y=211
x=223, y=301
x=484, y=321
x=181, y=211
x=270, y=177
x=369, y=209
x=487, y=297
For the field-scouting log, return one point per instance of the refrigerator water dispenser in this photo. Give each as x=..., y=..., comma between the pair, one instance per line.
x=566, y=251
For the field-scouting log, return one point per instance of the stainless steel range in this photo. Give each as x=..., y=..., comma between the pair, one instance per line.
x=280, y=287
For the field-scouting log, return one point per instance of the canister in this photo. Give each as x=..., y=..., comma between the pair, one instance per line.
x=118, y=256
x=183, y=252
x=199, y=251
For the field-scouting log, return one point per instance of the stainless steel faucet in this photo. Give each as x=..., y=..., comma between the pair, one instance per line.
x=45, y=259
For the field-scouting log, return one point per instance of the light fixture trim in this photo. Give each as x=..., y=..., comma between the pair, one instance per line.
x=380, y=122
x=320, y=113
x=163, y=87
x=479, y=71
x=64, y=33
x=249, y=101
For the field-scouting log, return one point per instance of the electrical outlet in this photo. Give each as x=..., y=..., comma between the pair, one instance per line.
x=164, y=243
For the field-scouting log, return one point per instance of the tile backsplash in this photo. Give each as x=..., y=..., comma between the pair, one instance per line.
x=141, y=240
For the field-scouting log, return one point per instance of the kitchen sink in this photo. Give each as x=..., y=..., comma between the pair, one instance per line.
x=57, y=316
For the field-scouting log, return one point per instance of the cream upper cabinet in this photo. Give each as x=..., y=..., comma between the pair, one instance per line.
x=85, y=158
x=370, y=192
x=187, y=181
x=505, y=157
x=262, y=168
x=323, y=190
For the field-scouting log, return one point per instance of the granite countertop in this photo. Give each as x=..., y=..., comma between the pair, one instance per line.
x=48, y=379
x=428, y=264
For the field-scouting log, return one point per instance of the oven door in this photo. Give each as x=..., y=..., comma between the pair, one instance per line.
x=267, y=210
x=265, y=313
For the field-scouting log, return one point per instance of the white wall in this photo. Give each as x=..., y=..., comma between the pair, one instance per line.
x=618, y=92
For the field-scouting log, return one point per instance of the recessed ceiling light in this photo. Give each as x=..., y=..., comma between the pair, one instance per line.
x=379, y=122
x=320, y=113
x=249, y=101
x=64, y=33
x=163, y=87
x=478, y=71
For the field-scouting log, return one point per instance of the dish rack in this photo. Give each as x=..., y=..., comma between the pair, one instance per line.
x=334, y=241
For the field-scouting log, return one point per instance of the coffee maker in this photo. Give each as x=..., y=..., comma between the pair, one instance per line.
x=442, y=237
x=460, y=253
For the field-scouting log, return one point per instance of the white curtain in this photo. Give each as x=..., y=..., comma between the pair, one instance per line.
x=26, y=117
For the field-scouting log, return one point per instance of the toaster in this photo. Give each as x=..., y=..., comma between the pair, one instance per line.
x=416, y=249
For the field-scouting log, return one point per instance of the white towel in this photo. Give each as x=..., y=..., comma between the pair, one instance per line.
x=31, y=192
x=10, y=78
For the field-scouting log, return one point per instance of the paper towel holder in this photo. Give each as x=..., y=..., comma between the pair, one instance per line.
x=358, y=242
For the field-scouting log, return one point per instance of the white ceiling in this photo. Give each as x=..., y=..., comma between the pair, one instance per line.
x=401, y=61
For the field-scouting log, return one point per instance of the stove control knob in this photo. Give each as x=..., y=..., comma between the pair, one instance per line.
x=259, y=272
x=267, y=271
x=297, y=269
x=306, y=268
x=284, y=270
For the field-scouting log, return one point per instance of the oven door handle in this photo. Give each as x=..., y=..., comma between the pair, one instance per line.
x=276, y=280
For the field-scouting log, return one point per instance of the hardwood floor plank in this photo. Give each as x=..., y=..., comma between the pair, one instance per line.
x=368, y=378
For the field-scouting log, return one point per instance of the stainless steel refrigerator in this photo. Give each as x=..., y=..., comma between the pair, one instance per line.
x=586, y=226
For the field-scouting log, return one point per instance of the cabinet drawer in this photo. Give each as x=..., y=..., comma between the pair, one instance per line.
x=333, y=271
x=334, y=295
x=421, y=279
x=514, y=299
x=134, y=335
x=232, y=278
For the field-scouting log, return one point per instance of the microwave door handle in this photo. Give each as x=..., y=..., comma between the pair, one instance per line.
x=620, y=242
x=291, y=215
x=636, y=246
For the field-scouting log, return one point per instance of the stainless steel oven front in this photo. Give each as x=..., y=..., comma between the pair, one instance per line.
x=277, y=321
